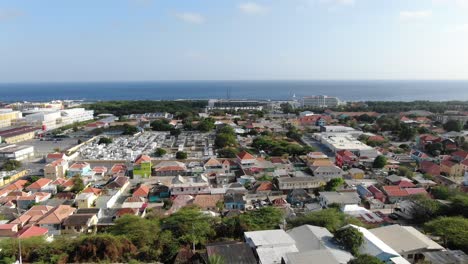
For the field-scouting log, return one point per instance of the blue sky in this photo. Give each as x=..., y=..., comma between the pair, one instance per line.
x=111, y=40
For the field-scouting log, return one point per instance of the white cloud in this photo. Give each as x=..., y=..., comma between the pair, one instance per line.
x=192, y=18
x=459, y=29
x=252, y=8
x=415, y=15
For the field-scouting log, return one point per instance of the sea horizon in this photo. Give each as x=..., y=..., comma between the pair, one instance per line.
x=346, y=90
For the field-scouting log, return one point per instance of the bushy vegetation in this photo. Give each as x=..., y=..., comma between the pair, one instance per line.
x=332, y=219
x=119, y=108
x=278, y=147
x=11, y=165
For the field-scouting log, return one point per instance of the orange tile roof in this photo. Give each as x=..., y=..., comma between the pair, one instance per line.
x=42, y=182
x=56, y=215
x=265, y=186
x=142, y=158
x=32, y=231
x=141, y=191
x=95, y=191
x=245, y=155
x=56, y=155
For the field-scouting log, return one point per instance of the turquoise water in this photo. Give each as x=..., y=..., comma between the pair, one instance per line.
x=275, y=90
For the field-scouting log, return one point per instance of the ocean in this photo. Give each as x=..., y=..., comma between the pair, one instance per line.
x=274, y=90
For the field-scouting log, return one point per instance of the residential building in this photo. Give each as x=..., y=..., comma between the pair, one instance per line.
x=298, y=197
x=85, y=200
x=451, y=169
x=234, y=201
x=307, y=182
x=134, y=202
x=80, y=223
x=170, y=168
x=118, y=170
x=355, y=173
x=190, y=185
x=430, y=168
x=245, y=159
x=142, y=191
x=142, y=166
x=158, y=193
x=320, y=101
x=208, y=202
x=346, y=158
x=406, y=241
x=445, y=257
x=32, y=231
x=231, y=252
x=39, y=186
x=375, y=247
x=340, y=198
x=54, y=218
x=56, y=169
x=78, y=168
x=270, y=245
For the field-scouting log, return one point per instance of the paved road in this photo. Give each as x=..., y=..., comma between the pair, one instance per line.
x=319, y=146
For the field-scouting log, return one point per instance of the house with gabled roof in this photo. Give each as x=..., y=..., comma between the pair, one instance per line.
x=142, y=191
x=39, y=185
x=142, y=166
x=80, y=223
x=245, y=158
x=170, y=168
x=78, y=168
x=56, y=169
x=451, y=169
x=32, y=231
x=54, y=218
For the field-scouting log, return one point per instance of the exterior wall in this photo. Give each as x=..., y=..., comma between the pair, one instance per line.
x=59, y=171
x=19, y=138
x=190, y=190
x=7, y=117
x=143, y=169
x=300, y=185
x=12, y=178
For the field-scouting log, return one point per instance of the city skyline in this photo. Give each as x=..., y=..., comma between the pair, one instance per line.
x=131, y=40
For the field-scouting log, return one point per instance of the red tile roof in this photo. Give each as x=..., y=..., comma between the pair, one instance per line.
x=141, y=191
x=265, y=186
x=41, y=183
x=395, y=191
x=32, y=231
x=245, y=155
x=79, y=165
x=95, y=191
x=17, y=131
x=142, y=158
x=56, y=155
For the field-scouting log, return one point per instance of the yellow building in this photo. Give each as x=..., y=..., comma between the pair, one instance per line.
x=7, y=115
x=15, y=135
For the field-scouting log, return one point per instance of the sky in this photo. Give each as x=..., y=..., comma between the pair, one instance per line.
x=143, y=40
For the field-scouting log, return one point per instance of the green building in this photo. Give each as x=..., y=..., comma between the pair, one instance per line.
x=142, y=166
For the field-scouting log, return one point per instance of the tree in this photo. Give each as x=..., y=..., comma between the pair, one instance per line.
x=453, y=125
x=453, y=231
x=105, y=140
x=406, y=133
x=140, y=231
x=159, y=152
x=175, y=132
x=440, y=192
x=261, y=219
x=227, y=153
x=425, y=208
x=365, y=259
x=181, y=155
x=331, y=218
x=350, y=238
x=223, y=140
x=129, y=130
x=161, y=125
x=434, y=148
x=365, y=118
x=405, y=171
x=11, y=165
x=206, y=125
x=333, y=184
x=78, y=184
x=459, y=205
x=189, y=225
x=380, y=162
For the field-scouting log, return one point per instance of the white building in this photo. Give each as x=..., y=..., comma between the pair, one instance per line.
x=320, y=101
x=73, y=115
x=53, y=119
x=344, y=141
x=16, y=152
